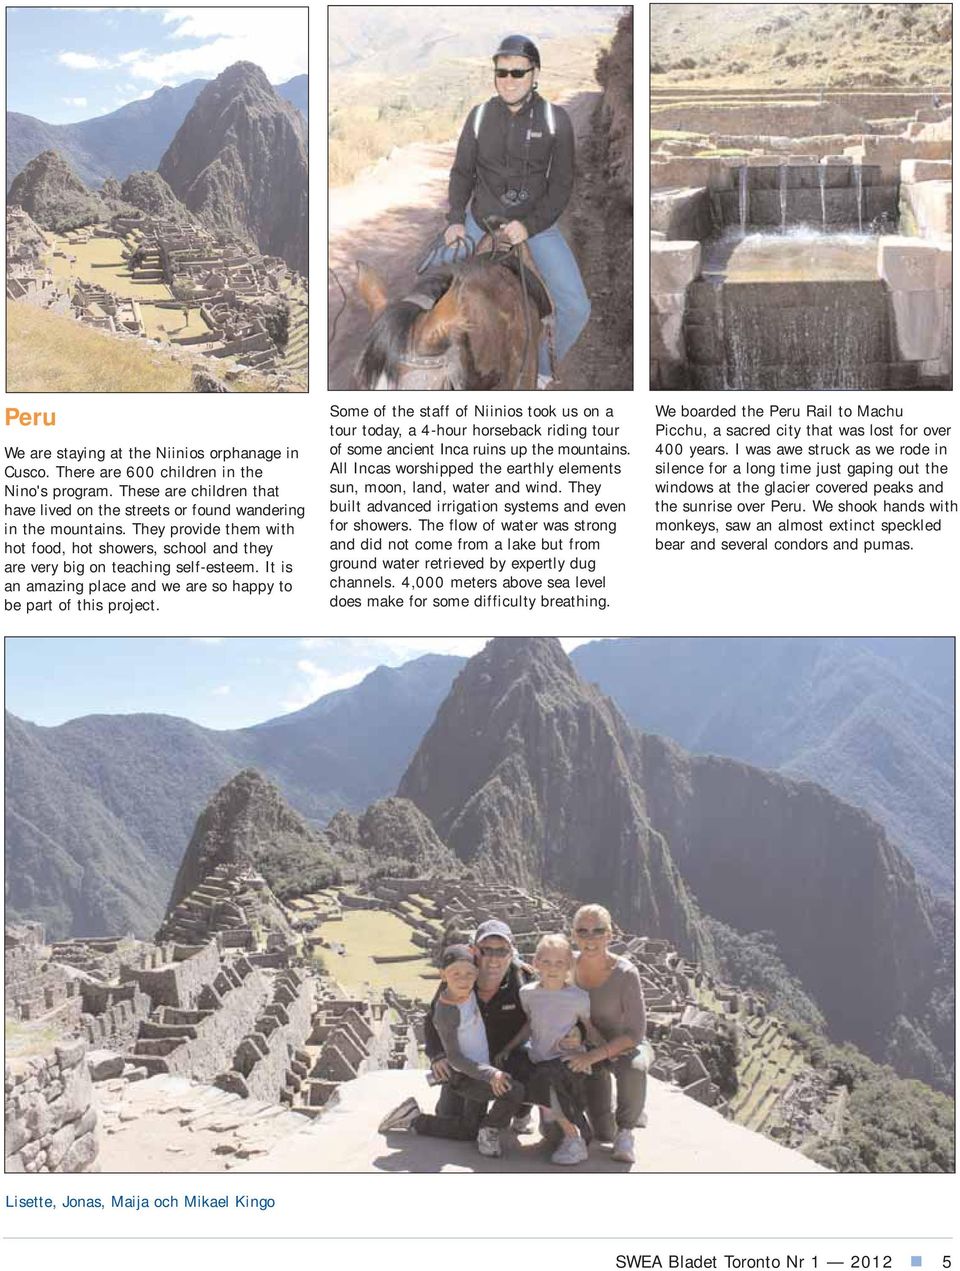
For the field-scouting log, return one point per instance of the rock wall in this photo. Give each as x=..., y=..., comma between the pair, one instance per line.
x=918, y=274
x=32, y=982
x=266, y=1063
x=615, y=74
x=179, y=981
x=673, y=267
x=50, y=1124
x=760, y=851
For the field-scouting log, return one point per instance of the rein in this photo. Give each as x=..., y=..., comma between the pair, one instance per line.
x=468, y=248
x=333, y=329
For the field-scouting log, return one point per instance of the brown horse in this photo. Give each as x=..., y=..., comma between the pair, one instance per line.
x=474, y=325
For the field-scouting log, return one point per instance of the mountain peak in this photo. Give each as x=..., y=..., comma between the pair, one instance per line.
x=248, y=822
x=50, y=191
x=243, y=71
x=529, y=775
x=239, y=163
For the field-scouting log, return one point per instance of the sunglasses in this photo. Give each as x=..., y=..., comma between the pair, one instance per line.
x=493, y=951
x=591, y=931
x=502, y=73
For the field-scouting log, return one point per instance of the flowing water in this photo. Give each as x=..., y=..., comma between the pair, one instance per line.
x=783, y=198
x=823, y=198
x=744, y=198
x=801, y=310
x=858, y=177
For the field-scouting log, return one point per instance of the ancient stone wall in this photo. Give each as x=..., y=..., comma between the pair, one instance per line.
x=918, y=274
x=32, y=982
x=179, y=981
x=50, y=1121
x=112, y=1013
x=673, y=267
x=267, y=1063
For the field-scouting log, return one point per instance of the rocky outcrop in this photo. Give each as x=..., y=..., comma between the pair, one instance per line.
x=615, y=75
x=150, y=193
x=49, y=1113
x=247, y=822
x=528, y=775
x=239, y=162
x=393, y=835
x=49, y=190
x=764, y=852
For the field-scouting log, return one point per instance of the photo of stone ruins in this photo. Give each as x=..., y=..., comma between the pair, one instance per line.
x=187, y=277
x=801, y=196
x=257, y=1000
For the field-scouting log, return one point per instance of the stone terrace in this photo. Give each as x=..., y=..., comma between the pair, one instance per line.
x=236, y=288
x=221, y=1000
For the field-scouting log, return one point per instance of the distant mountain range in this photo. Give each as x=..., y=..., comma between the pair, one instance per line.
x=399, y=41
x=130, y=139
x=853, y=715
x=99, y=809
x=870, y=719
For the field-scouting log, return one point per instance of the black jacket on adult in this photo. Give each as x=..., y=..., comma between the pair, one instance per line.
x=503, y=1016
x=513, y=151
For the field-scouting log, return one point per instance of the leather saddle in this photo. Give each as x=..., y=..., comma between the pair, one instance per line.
x=500, y=253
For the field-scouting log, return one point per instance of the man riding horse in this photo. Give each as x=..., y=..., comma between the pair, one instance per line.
x=514, y=167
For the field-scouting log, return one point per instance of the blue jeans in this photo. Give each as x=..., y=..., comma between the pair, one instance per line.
x=558, y=268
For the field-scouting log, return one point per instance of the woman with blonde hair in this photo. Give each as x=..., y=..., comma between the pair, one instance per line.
x=617, y=1011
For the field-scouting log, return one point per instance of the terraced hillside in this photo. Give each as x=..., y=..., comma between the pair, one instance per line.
x=296, y=354
x=801, y=45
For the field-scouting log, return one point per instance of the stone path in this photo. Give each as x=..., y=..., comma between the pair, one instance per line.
x=682, y=1136
x=169, y=1124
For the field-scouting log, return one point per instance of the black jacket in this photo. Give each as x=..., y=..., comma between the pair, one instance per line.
x=503, y=157
x=503, y=1016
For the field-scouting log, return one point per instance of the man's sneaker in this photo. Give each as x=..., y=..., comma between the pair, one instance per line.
x=488, y=1141
x=401, y=1118
x=523, y=1124
x=544, y=381
x=572, y=1151
x=623, y=1147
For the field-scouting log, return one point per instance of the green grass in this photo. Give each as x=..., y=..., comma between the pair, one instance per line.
x=51, y=353
x=100, y=261
x=673, y=134
x=365, y=932
x=22, y=1039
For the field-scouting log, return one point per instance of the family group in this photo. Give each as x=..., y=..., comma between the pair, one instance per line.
x=563, y=1034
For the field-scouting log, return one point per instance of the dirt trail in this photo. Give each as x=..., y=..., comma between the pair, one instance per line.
x=388, y=217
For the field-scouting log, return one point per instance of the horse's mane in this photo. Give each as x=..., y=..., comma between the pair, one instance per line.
x=388, y=340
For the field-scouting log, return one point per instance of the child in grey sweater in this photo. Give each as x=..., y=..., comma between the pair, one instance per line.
x=555, y=1009
x=459, y=1023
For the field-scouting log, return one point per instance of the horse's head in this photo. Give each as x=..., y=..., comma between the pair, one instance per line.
x=411, y=343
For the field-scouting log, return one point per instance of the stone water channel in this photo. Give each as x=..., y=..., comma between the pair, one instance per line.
x=791, y=275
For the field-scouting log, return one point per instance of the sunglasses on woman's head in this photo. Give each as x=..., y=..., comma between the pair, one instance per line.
x=590, y=931
x=502, y=73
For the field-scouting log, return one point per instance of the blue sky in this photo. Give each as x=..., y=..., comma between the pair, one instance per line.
x=220, y=683
x=64, y=65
